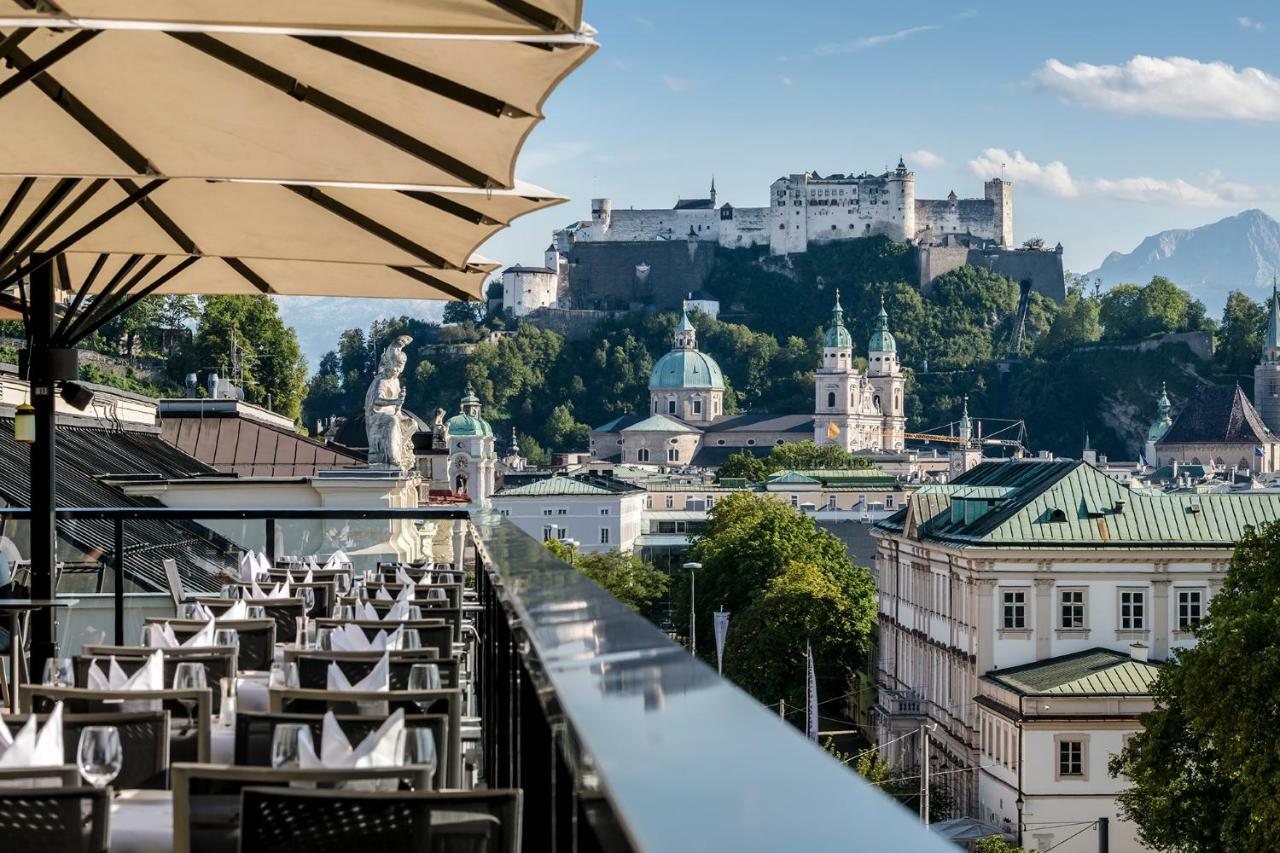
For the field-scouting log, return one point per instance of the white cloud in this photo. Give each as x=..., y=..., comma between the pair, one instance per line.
x=786, y=81
x=1251, y=24
x=1053, y=178
x=864, y=42
x=1211, y=189
x=1175, y=86
x=644, y=22
x=677, y=84
x=924, y=159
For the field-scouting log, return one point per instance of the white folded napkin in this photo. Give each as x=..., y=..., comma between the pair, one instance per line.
x=397, y=612
x=382, y=748
x=280, y=590
x=34, y=745
x=379, y=678
x=150, y=676
x=351, y=638
x=337, y=560
x=253, y=566
x=161, y=636
x=199, y=611
x=234, y=613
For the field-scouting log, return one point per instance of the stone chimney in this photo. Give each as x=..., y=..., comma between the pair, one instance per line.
x=1138, y=652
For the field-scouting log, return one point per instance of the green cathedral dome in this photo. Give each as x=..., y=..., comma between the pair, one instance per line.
x=882, y=339
x=686, y=368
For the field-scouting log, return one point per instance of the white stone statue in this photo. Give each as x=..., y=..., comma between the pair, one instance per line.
x=389, y=429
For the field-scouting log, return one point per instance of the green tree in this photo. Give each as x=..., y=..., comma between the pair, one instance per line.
x=744, y=464
x=635, y=583
x=1075, y=323
x=563, y=432
x=806, y=455
x=463, y=312
x=243, y=338
x=1130, y=312
x=755, y=548
x=1202, y=776
x=1241, y=334
x=995, y=844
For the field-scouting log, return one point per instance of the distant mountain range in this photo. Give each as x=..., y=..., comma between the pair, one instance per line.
x=319, y=320
x=1241, y=252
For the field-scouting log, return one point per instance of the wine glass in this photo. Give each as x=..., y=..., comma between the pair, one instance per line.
x=189, y=676
x=324, y=638
x=256, y=611
x=226, y=637
x=145, y=639
x=424, y=676
x=100, y=755
x=420, y=748
x=58, y=672
x=342, y=583
x=308, y=599
x=286, y=744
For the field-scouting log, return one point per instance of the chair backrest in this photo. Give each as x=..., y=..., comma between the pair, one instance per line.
x=313, y=667
x=63, y=819
x=52, y=776
x=297, y=700
x=288, y=819
x=257, y=638
x=219, y=663
x=432, y=633
x=184, y=740
x=174, y=580
x=144, y=738
x=254, y=731
x=206, y=798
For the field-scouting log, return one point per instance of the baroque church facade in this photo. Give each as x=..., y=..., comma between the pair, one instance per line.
x=685, y=423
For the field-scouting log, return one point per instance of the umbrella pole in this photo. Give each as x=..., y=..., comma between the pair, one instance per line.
x=45, y=366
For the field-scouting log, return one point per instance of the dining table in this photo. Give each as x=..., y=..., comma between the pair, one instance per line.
x=14, y=608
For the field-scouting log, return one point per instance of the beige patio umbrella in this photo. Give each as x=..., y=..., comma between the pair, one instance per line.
x=290, y=146
x=429, y=93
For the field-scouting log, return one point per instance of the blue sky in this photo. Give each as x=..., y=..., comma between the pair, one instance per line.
x=1129, y=117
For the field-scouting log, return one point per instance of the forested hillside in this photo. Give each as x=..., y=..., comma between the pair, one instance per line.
x=1068, y=378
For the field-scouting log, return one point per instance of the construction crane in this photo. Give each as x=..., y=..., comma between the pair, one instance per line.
x=1018, y=429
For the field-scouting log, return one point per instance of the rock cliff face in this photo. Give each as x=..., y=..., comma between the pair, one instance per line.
x=1241, y=252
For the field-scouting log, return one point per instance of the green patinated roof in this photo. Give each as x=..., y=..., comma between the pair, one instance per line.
x=685, y=325
x=1072, y=504
x=848, y=476
x=559, y=486
x=837, y=335
x=686, y=368
x=659, y=423
x=882, y=339
x=1096, y=672
x=469, y=425
x=791, y=477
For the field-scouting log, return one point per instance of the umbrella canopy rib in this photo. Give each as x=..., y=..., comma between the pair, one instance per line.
x=39, y=66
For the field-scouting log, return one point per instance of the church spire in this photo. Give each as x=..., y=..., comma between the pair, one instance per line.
x=686, y=336
x=713, y=190
x=1273, y=326
x=966, y=425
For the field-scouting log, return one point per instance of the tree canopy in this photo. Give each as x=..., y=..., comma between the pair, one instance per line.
x=800, y=456
x=785, y=581
x=626, y=577
x=1133, y=312
x=1203, y=772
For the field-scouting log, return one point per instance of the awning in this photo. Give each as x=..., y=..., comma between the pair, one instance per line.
x=429, y=93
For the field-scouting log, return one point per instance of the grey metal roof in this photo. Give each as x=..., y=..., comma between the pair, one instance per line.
x=1096, y=672
x=1218, y=414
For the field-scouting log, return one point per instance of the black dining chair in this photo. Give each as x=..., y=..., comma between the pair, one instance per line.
x=62, y=819
x=144, y=740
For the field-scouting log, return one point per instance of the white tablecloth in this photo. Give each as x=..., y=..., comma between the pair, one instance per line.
x=142, y=822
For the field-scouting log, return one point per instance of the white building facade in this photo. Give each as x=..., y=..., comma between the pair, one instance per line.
x=597, y=513
x=1021, y=562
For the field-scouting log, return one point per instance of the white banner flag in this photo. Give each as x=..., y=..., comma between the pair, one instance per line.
x=722, y=631
x=810, y=698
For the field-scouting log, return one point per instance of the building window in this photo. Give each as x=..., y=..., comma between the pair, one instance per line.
x=795, y=500
x=648, y=501
x=642, y=455
x=1190, y=608
x=1015, y=610
x=547, y=511
x=671, y=407
x=505, y=513
x=1071, y=606
x=888, y=501
x=671, y=501
x=1070, y=758
x=711, y=501
x=604, y=536
x=604, y=510
x=697, y=407
x=1133, y=610
x=831, y=400
x=831, y=502
x=673, y=454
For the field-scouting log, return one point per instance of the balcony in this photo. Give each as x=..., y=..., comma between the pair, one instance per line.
x=618, y=738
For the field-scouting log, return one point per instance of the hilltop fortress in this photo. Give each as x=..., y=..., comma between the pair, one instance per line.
x=808, y=208
x=624, y=257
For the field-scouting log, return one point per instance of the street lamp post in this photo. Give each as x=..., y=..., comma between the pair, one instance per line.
x=693, y=614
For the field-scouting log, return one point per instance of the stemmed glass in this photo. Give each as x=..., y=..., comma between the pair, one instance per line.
x=100, y=755
x=256, y=611
x=342, y=583
x=58, y=672
x=420, y=748
x=308, y=599
x=424, y=676
x=286, y=744
x=189, y=676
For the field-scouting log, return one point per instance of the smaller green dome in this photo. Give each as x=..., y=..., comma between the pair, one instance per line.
x=882, y=339
x=686, y=368
x=469, y=425
x=837, y=336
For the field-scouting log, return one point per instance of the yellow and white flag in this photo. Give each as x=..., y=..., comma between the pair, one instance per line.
x=833, y=431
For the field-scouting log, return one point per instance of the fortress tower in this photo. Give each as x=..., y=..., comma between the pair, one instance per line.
x=1266, y=376
x=1000, y=191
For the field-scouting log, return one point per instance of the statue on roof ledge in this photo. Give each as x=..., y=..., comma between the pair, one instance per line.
x=389, y=428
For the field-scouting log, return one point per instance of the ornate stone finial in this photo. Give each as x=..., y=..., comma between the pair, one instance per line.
x=389, y=428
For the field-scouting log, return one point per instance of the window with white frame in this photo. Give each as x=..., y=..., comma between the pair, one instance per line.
x=1190, y=608
x=697, y=407
x=671, y=501
x=1070, y=757
x=547, y=511
x=1071, y=608
x=604, y=536
x=642, y=455
x=671, y=407
x=648, y=501
x=562, y=510
x=888, y=501
x=673, y=454
x=604, y=510
x=711, y=501
x=1014, y=603
x=1133, y=610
